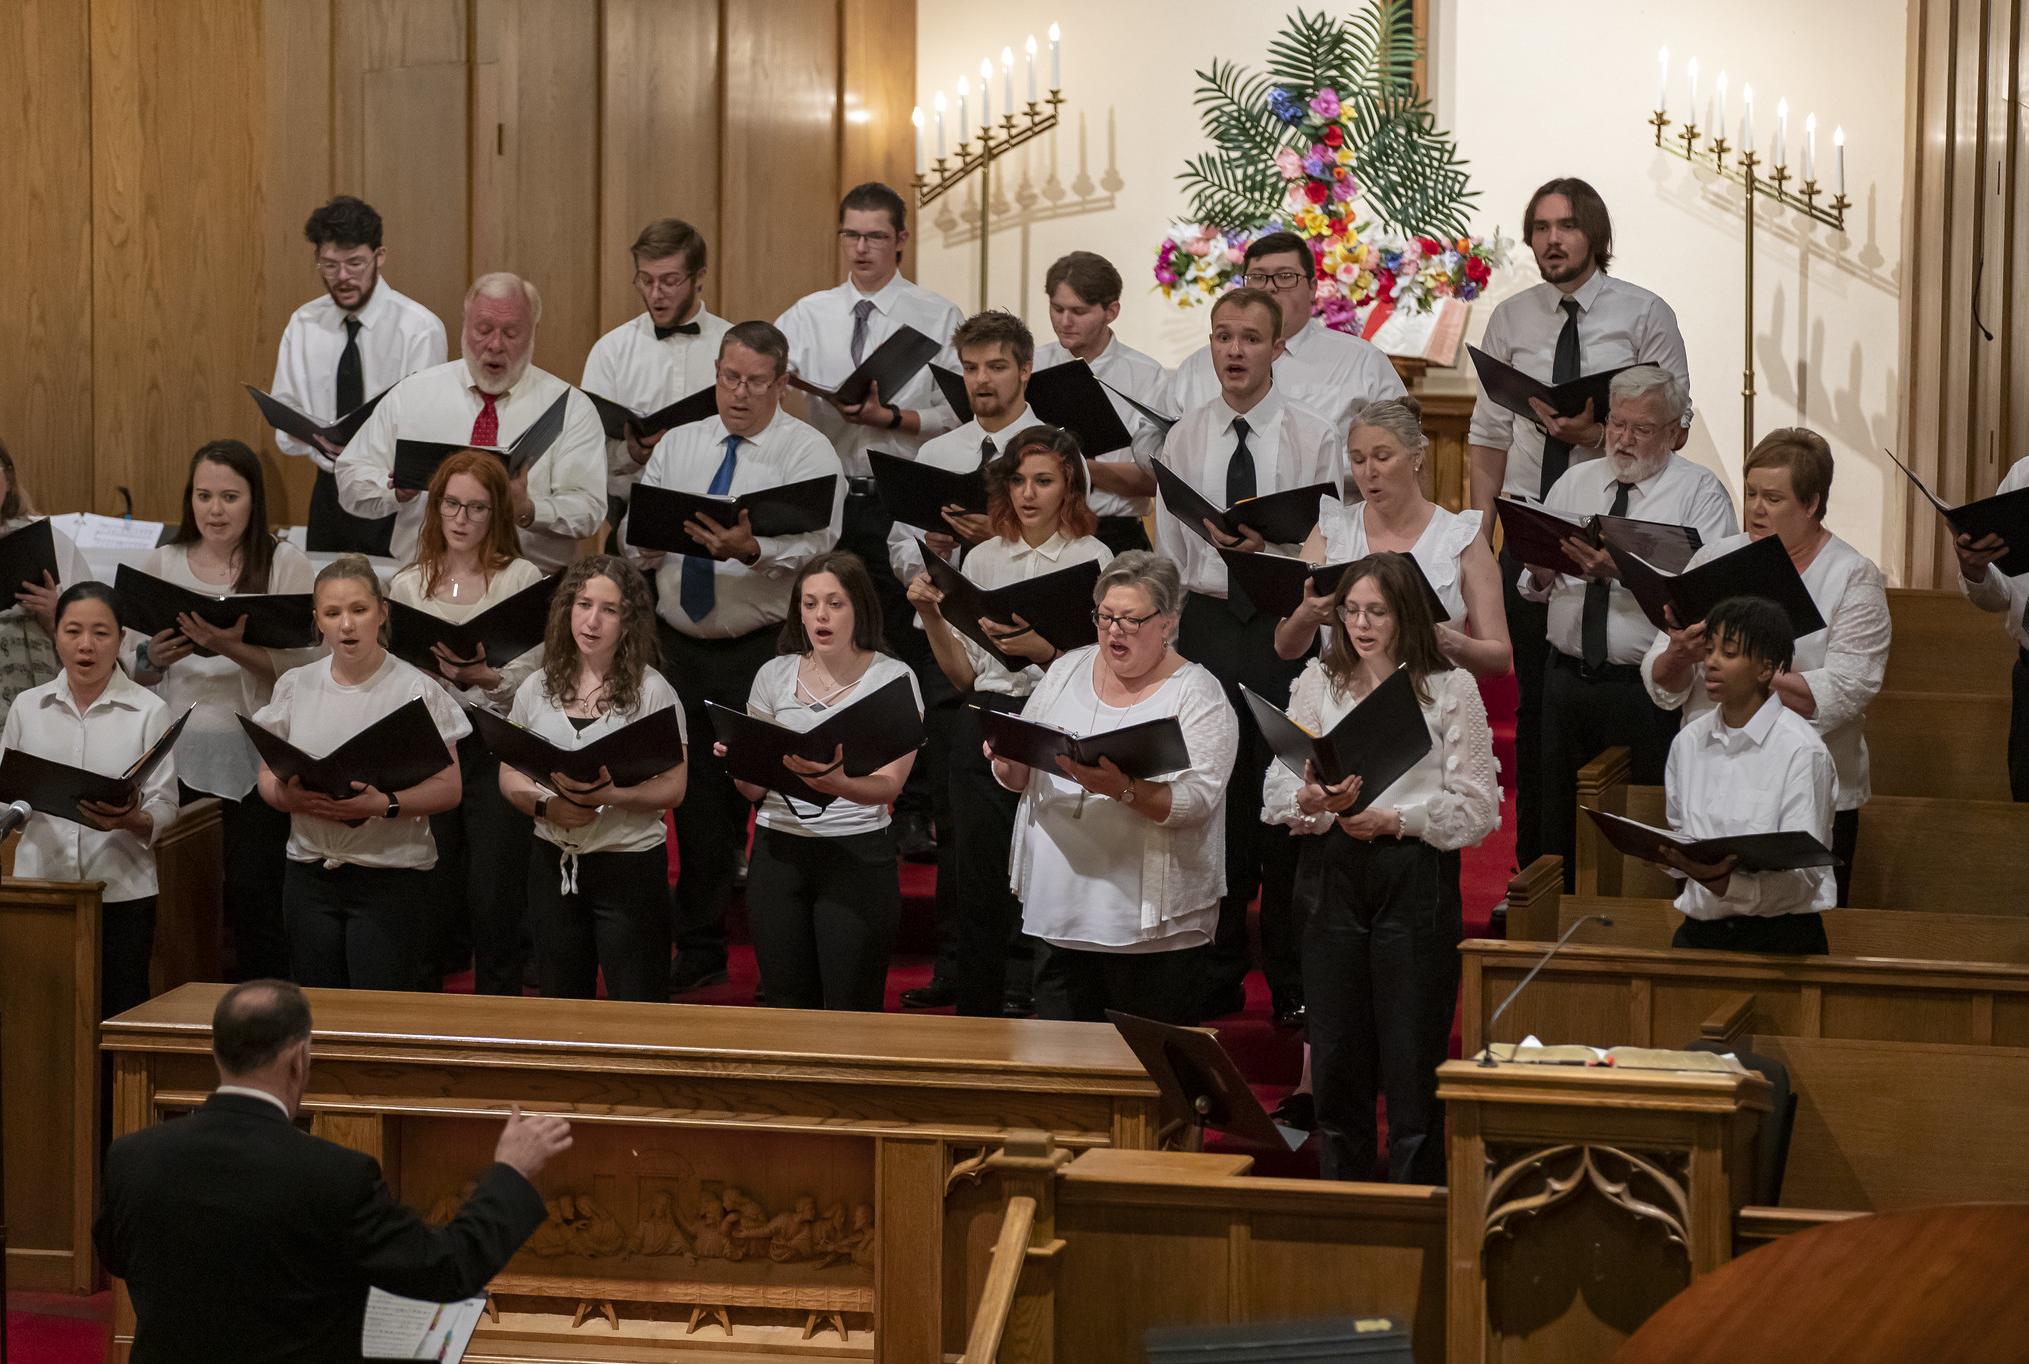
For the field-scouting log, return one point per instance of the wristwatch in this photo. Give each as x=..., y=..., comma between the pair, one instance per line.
x=1127, y=792
x=394, y=807
x=542, y=807
x=895, y=422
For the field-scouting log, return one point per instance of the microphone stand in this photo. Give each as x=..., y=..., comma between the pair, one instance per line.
x=1486, y=1056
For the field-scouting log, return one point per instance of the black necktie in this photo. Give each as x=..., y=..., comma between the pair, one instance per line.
x=1241, y=484
x=1563, y=369
x=987, y=451
x=678, y=329
x=351, y=376
x=1599, y=595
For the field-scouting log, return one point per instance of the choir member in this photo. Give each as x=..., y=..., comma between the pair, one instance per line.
x=665, y=354
x=1593, y=694
x=1249, y=439
x=27, y=654
x=824, y=896
x=1380, y=941
x=1578, y=321
x=95, y=717
x=599, y=875
x=1750, y=764
x=223, y=547
x=1331, y=372
x=488, y=397
x=355, y=340
x=1120, y=876
x=1991, y=590
x=721, y=615
x=1084, y=295
x=468, y=560
x=355, y=892
x=1838, y=670
x=1041, y=523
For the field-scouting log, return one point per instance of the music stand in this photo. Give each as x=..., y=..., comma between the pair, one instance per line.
x=1199, y=1079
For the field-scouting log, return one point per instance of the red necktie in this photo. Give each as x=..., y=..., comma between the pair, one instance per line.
x=486, y=426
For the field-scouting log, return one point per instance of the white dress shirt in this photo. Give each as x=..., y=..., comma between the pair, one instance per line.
x=1843, y=664
x=1140, y=377
x=996, y=563
x=775, y=697
x=407, y=588
x=1292, y=447
x=114, y=731
x=1680, y=494
x=1618, y=324
x=1996, y=591
x=1094, y=875
x=632, y=368
x=961, y=450
x=1769, y=776
x=747, y=597
x=1439, y=551
x=397, y=337
x=614, y=830
x=1450, y=799
x=567, y=485
x=820, y=326
x=1333, y=373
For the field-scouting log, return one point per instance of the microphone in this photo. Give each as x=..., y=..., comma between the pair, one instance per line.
x=14, y=816
x=1487, y=1053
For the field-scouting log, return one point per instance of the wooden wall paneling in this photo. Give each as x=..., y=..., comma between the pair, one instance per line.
x=877, y=84
x=45, y=292
x=658, y=139
x=780, y=154
x=1987, y=457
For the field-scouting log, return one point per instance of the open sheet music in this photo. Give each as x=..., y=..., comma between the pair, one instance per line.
x=404, y=1328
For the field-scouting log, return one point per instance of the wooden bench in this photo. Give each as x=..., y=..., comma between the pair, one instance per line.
x=1947, y=744
x=1945, y=643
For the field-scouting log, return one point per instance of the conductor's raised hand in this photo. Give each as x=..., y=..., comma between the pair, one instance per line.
x=530, y=1141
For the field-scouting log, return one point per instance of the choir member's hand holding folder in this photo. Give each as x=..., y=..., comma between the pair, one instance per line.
x=1277, y=583
x=661, y=518
x=64, y=791
x=416, y=461
x=919, y=495
x=1145, y=751
x=401, y=749
x=27, y=558
x=503, y=631
x=1760, y=568
x=325, y=435
x=619, y=420
x=275, y=620
x=1537, y=535
x=860, y=737
x=1378, y=741
x=634, y=753
x=1785, y=850
x=1284, y=518
x=1515, y=390
x=2005, y=517
x=884, y=373
x=1056, y=606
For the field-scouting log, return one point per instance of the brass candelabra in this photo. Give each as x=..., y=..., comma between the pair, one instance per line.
x=994, y=142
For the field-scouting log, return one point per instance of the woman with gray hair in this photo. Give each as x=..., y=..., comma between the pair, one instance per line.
x=1121, y=876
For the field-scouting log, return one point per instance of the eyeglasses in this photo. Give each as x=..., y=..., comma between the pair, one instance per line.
x=650, y=283
x=1620, y=426
x=851, y=238
x=454, y=510
x=1276, y=282
x=1127, y=625
x=743, y=384
x=352, y=265
x=1373, y=615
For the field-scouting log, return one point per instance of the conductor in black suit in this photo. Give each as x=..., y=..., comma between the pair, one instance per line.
x=241, y=1236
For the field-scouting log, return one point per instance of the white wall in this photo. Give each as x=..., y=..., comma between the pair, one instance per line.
x=1826, y=304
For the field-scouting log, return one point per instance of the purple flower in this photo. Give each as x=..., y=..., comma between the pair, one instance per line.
x=1284, y=105
x=1325, y=104
x=1314, y=167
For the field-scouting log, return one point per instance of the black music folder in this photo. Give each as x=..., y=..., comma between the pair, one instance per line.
x=1057, y=606
x=1760, y=568
x=1277, y=583
x=618, y=418
x=416, y=461
x=1284, y=518
x=892, y=365
x=655, y=516
x=1163, y=421
x=1512, y=389
x=1786, y=850
x=1069, y=395
x=275, y=620
x=951, y=383
x=1536, y=535
x=392, y=754
x=290, y=422
x=916, y=494
x=25, y=555
x=874, y=730
x=55, y=788
x=1153, y=748
x=1379, y=740
x=508, y=629
x=2004, y=514
x=632, y=754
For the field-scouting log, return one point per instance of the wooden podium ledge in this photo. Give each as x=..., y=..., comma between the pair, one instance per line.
x=1602, y=1087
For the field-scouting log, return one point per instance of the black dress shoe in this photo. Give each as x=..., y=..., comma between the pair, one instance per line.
x=914, y=838
x=683, y=982
x=1298, y=1111
x=1290, y=1016
x=935, y=995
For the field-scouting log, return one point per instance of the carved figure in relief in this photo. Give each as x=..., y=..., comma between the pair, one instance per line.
x=657, y=1232
x=856, y=1245
x=748, y=1225
x=596, y=1234
x=707, y=1234
x=793, y=1235
x=553, y=1236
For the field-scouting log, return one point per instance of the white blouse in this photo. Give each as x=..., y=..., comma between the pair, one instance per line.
x=407, y=588
x=615, y=830
x=1450, y=799
x=1843, y=664
x=996, y=563
x=1094, y=875
x=774, y=697
x=213, y=754
x=1437, y=551
x=316, y=712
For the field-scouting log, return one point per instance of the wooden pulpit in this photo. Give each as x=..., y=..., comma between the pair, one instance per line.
x=1583, y=1198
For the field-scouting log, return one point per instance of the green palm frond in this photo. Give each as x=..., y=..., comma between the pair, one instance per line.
x=1232, y=194
x=1313, y=52
x=1233, y=107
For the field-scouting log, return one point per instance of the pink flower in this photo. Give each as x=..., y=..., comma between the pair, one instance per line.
x=1235, y=255
x=1325, y=104
x=1198, y=247
x=1289, y=163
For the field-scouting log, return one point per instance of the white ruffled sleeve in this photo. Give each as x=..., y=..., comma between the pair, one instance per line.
x=1280, y=785
x=1468, y=808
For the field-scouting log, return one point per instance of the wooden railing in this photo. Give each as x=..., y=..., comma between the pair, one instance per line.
x=1010, y=1251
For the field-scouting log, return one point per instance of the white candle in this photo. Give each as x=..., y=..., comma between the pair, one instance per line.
x=1782, y=132
x=1810, y=146
x=1007, y=79
x=986, y=92
x=1032, y=68
x=1691, y=109
x=1056, y=58
x=964, y=125
x=1662, y=79
x=916, y=119
x=1718, y=120
x=937, y=107
x=1839, y=156
x=1746, y=119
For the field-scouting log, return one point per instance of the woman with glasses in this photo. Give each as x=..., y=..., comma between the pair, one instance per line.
x=1380, y=942
x=1121, y=876
x=468, y=558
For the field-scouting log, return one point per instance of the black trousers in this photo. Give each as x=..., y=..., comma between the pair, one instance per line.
x=330, y=526
x=1529, y=636
x=615, y=920
x=2018, y=729
x=1078, y=986
x=1122, y=533
x=1582, y=717
x=357, y=928
x=126, y=943
x=1380, y=969
x=991, y=945
x=823, y=912
x=1259, y=857
x=478, y=889
x=1845, y=843
x=255, y=838
x=1796, y=934
x=711, y=824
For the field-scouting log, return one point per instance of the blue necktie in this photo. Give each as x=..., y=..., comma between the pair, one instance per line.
x=699, y=592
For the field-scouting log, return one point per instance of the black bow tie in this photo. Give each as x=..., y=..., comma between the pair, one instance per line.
x=678, y=329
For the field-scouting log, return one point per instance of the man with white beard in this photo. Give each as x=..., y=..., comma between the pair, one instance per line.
x=1593, y=698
